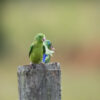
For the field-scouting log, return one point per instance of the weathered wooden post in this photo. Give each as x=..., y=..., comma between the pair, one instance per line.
x=39, y=82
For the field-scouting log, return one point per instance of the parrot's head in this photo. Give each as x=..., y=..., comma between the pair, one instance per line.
x=40, y=37
x=49, y=45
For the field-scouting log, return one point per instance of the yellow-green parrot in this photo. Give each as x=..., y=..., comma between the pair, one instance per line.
x=37, y=49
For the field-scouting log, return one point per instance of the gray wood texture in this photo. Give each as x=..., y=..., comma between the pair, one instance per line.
x=39, y=82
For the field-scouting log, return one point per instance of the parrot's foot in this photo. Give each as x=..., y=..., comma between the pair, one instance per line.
x=32, y=65
x=42, y=63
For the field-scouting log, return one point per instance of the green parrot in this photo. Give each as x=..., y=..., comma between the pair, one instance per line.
x=49, y=50
x=37, y=49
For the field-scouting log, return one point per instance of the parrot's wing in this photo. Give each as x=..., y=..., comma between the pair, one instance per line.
x=44, y=49
x=50, y=52
x=31, y=48
x=47, y=51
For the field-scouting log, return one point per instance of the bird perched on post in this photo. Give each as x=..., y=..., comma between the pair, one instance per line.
x=36, y=49
x=49, y=50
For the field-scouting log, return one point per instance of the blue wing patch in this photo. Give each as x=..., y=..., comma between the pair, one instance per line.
x=44, y=57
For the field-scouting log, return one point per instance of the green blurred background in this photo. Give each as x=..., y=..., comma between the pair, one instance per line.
x=74, y=29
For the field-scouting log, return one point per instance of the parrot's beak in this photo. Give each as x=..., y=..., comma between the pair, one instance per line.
x=52, y=48
x=44, y=39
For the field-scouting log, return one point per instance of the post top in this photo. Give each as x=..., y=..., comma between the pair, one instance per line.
x=41, y=66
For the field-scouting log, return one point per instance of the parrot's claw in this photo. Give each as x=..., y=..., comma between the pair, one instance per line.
x=42, y=63
x=32, y=65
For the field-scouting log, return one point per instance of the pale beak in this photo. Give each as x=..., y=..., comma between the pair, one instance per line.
x=52, y=48
x=44, y=39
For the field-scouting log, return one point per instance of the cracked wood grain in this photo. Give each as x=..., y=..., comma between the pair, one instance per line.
x=39, y=82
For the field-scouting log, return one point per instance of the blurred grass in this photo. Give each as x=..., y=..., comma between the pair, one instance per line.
x=74, y=30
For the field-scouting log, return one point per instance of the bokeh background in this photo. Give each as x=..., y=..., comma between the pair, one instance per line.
x=74, y=29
